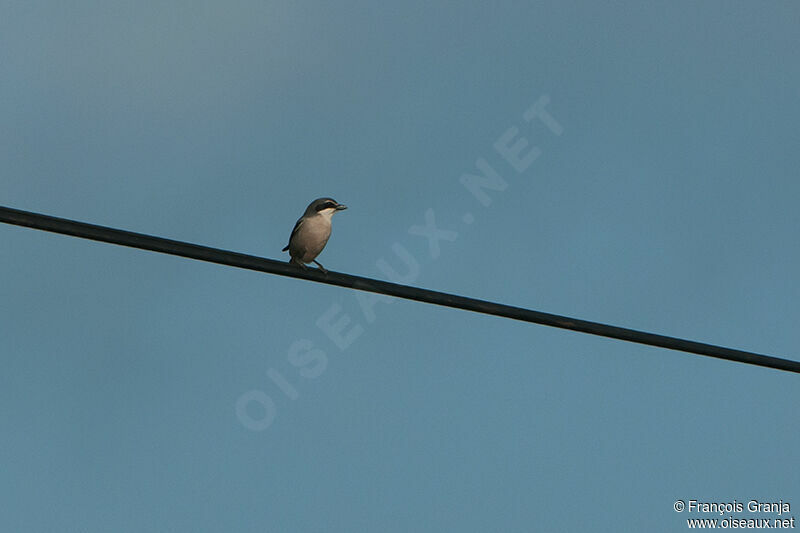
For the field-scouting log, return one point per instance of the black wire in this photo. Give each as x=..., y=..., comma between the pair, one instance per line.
x=223, y=257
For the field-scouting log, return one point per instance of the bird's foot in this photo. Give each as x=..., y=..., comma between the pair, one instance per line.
x=321, y=268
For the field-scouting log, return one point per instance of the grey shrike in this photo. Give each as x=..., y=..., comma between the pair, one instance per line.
x=312, y=231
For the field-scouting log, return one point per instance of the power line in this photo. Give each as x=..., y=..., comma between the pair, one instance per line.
x=234, y=259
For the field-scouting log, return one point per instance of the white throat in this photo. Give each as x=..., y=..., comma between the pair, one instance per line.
x=327, y=213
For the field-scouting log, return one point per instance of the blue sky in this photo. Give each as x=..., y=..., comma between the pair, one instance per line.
x=668, y=203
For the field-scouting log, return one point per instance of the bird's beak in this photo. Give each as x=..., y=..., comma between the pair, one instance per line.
x=341, y=207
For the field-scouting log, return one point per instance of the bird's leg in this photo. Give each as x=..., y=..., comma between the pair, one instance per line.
x=298, y=263
x=322, y=268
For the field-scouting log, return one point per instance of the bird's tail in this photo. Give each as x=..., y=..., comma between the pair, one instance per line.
x=287, y=247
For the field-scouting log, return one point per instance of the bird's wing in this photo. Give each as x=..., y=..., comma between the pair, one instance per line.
x=296, y=227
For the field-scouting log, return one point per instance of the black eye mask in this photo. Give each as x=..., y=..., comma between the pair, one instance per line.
x=326, y=205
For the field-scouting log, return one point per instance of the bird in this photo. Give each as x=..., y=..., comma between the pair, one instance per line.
x=312, y=231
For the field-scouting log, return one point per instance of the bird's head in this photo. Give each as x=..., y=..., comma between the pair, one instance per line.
x=324, y=206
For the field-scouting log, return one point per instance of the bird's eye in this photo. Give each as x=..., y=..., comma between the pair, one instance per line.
x=326, y=205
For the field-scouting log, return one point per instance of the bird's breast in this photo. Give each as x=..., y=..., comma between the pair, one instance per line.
x=311, y=238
